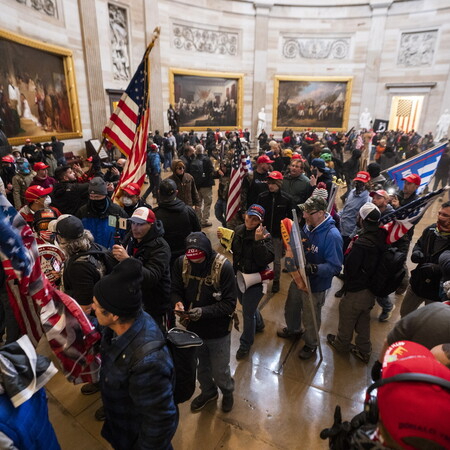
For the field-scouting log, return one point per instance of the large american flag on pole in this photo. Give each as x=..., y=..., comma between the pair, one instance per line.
x=41, y=309
x=238, y=171
x=398, y=222
x=128, y=125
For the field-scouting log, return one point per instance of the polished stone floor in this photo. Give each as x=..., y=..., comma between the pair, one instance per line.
x=274, y=409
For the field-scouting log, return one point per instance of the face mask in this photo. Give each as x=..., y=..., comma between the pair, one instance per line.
x=47, y=201
x=127, y=201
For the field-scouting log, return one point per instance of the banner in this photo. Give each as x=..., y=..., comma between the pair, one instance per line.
x=380, y=125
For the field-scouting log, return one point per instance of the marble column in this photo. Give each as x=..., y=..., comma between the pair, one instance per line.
x=262, y=10
x=94, y=77
x=151, y=21
x=374, y=49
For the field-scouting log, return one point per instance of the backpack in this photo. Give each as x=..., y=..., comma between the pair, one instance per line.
x=390, y=272
x=183, y=346
x=97, y=255
x=197, y=171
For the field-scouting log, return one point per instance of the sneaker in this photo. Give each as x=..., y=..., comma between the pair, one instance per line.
x=364, y=357
x=307, y=352
x=331, y=339
x=206, y=224
x=90, y=388
x=242, y=353
x=286, y=334
x=202, y=400
x=339, y=293
x=227, y=403
x=386, y=315
x=100, y=414
x=275, y=286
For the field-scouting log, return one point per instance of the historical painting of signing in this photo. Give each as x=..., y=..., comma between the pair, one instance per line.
x=38, y=97
x=206, y=99
x=312, y=102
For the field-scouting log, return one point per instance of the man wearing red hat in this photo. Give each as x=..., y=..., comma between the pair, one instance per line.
x=131, y=198
x=37, y=198
x=42, y=178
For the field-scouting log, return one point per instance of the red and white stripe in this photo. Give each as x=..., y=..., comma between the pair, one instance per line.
x=234, y=192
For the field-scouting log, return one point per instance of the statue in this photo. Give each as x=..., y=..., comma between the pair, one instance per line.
x=442, y=126
x=365, y=120
x=261, y=122
x=172, y=118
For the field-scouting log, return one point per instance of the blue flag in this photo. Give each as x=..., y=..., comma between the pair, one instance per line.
x=424, y=165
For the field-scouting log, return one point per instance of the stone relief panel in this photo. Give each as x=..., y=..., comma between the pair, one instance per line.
x=203, y=40
x=120, y=50
x=316, y=48
x=47, y=7
x=417, y=48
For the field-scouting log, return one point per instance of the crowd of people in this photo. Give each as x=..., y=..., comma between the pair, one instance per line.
x=139, y=265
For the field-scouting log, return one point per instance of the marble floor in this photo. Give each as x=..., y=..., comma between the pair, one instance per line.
x=281, y=402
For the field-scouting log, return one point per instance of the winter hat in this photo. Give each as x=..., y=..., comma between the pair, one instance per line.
x=370, y=212
x=320, y=191
x=98, y=186
x=198, y=241
x=374, y=169
x=120, y=291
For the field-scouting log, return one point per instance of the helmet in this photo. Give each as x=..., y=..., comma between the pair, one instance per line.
x=326, y=156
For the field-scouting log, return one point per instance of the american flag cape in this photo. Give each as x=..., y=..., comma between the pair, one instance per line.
x=41, y=309
x=128, y=126
x=398, y=222
x=238, y=171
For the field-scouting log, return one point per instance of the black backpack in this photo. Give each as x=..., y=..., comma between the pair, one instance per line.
x=389, y=273
x=197, y=171
x=183, y=346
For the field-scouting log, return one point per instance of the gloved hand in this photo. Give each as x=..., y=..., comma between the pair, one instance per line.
x=195, y=314
x=376, y=371
x=430, y=270
x=311, y=269
x=417, y=257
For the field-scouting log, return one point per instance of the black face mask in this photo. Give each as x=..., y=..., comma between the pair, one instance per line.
x=99, y=205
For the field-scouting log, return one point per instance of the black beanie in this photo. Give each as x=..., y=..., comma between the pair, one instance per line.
x=120, y=291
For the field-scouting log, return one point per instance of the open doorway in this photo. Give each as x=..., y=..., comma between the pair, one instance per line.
x=405, y=112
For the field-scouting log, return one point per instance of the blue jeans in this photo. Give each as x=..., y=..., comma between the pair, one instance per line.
x=213, y=370
x=167, y=160
x=252, y=317
x=220, y=211
x=385, y=303
x=297, y=304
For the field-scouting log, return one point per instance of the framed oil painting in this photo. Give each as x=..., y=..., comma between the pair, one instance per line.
x=311, y=102
x=38, y=95
x=206, y=99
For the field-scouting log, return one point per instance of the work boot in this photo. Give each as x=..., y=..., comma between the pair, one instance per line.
x=227, y=402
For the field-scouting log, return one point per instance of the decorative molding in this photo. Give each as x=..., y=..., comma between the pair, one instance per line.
x=48, y=7
x=316, y=48
x=120, y=50
x=203, y=40
x=417, y=48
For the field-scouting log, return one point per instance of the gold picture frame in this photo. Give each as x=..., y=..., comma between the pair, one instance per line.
x=206, y=99
x=38, y=90
x=319, y=103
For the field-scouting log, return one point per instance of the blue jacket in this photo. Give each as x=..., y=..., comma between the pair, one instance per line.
x=323, y=246
x=138, y=398
x=351, y=209
x=153, y=163
x=28, y=425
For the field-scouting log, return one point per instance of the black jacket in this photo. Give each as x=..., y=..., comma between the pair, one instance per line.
x=69, y=196
x=250, y=256
x=154, y=253
x=252, y=185
x=278, y=206
x=179, y=220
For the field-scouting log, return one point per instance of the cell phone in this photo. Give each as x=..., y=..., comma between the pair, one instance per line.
x=314, y=172
x=180, y=313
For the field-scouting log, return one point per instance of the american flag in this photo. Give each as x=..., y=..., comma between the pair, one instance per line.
x=128, y=126
x=41, y=309
x=238, y=171
x=398, y=222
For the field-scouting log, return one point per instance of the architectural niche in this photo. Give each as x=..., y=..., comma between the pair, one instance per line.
x=417, y=48
x=118, y=32
x=45, y=6
x=316, y=48
x=203, y=40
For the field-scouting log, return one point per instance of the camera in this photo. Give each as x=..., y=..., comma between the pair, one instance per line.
x=109, y=165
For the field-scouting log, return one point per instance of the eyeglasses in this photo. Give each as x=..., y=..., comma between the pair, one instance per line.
x=310, y=213
x=180, y=168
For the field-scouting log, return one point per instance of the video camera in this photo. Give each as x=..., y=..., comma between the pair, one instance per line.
x=109, y=165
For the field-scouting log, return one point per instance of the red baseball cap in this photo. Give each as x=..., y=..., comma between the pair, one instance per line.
x=40, y=166
x=35, y=192
x=362, y=176
x=8, y=159
x=264, y=159
x=143, y=215
x=297, y=156
x=414, y=409
x=413, y=178
x=380, y=192
x=275, y=175
x=132, y=189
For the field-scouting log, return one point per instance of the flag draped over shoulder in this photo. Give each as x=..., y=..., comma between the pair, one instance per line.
x=424, y=165
x=238, y=171
x=128, y=125
x=38, y=307
x=398, y=222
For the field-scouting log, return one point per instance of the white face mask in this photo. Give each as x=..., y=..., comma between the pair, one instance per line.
x=47, y=201
x=127, y=201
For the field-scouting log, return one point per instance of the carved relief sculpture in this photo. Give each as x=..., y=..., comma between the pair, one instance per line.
x=316, y=48
x=417, y=48
x=120, y=53
x=204, y=40
x=46, y=6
